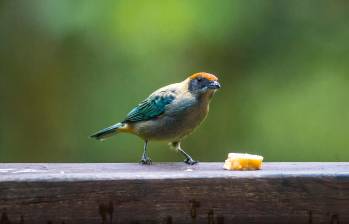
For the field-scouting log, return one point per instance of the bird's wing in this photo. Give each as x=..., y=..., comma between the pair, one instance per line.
x=151, y=107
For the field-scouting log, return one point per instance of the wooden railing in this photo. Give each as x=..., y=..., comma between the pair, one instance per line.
x=173, y=193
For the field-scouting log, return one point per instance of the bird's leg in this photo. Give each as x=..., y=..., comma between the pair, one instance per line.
x=188, y=159
x=145, y=160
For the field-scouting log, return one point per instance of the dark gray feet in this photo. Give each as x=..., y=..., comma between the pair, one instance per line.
x=190, y=161
x=145, y=161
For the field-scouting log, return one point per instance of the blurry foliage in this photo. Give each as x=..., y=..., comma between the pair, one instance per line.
x=69, y=68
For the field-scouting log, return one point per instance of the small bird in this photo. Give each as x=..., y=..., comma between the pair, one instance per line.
x=169, y=114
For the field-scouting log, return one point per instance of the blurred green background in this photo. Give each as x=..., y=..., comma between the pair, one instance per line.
x=69, y=68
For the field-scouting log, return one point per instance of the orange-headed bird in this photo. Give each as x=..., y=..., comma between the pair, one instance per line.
x=170, y=113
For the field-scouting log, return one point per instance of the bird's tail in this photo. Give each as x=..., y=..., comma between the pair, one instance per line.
x=108, y=132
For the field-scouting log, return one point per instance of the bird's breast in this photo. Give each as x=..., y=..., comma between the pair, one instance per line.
x=180, y=119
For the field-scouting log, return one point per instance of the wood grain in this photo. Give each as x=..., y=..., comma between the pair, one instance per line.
x=173, y=193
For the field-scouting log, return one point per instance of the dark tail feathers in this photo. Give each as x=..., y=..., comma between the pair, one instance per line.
x=107, y=132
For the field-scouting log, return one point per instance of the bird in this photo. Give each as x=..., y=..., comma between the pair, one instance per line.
x=169, y=114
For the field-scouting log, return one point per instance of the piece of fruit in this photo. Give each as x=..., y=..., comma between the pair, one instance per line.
x=243, y=161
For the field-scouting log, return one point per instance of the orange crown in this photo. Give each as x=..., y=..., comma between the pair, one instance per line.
x=205, y=75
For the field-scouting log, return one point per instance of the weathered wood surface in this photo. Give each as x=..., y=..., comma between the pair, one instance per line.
x=173, y=193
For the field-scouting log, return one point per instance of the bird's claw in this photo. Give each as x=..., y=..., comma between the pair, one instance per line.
x=145, y=161
x=190, y=161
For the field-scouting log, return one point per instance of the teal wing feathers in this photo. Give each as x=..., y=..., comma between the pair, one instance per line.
x=150, y=108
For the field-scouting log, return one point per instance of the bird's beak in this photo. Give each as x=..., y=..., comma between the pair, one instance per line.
x=214, y=85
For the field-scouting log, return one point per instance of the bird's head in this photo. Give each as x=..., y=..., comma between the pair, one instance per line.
x=203, y=82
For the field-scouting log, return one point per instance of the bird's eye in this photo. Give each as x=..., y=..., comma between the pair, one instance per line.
x=199, y=79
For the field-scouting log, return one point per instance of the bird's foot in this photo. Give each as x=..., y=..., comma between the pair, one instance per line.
x=145, y=161
x=190, y=161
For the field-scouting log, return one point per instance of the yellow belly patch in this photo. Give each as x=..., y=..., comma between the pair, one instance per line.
x=127, y=128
